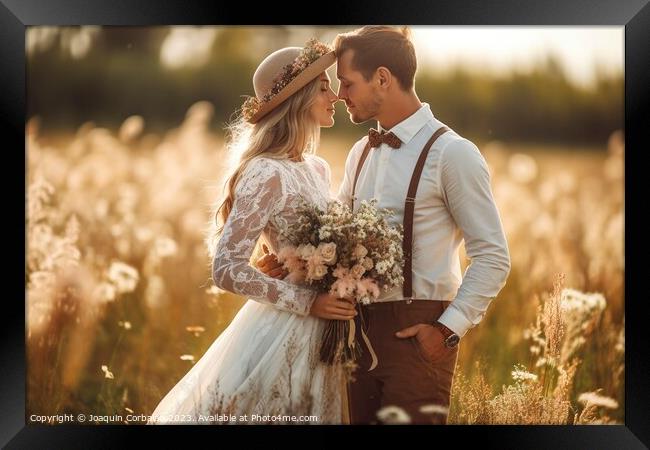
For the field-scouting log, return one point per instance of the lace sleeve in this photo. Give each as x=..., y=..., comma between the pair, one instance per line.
x=259, y=194
x=325, y=172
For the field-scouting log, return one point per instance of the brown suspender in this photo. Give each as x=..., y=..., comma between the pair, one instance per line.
x=409, y=207
x=364, y=155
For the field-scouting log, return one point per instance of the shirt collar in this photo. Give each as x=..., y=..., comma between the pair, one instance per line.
x=407, y=128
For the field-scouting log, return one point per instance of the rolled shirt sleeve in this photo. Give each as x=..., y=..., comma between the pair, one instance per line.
x=465, y=188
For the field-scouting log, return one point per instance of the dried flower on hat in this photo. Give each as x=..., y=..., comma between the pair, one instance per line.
x=312, y=51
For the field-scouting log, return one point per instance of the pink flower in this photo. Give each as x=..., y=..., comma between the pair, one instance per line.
x=315, y=260
x=296, y=277
x=290, y=260
x=357, y=271
x=305, y=251
x=343, y=287
x=315, y=269
x=369, y=286
x=341, y=272
x=286, y=253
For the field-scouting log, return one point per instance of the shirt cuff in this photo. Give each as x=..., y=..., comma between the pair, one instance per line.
x=453, y=319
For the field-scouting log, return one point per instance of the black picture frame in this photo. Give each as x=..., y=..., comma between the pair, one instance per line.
x=633, y=15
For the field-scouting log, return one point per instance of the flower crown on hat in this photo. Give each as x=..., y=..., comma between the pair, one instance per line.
x=312, y=51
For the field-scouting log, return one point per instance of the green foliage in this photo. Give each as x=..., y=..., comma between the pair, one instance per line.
x=122, y=76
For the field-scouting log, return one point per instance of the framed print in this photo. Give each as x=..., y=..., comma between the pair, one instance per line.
x=170, y=256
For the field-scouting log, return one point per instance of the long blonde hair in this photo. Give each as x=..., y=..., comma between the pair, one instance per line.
x=289, y=131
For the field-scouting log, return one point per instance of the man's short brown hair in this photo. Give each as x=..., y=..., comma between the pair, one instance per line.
x=376, y=46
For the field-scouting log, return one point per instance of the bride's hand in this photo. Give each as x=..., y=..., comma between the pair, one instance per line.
x=327, y=306
x=269, y=265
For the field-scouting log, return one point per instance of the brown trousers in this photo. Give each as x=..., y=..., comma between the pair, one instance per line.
x=405, y=375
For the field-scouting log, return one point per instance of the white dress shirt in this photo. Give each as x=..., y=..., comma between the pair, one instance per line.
x=454, y=201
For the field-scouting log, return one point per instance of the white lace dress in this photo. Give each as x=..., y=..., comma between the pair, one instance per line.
x=264, y=367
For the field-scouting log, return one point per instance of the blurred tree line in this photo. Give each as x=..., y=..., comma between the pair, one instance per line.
x=121, y=74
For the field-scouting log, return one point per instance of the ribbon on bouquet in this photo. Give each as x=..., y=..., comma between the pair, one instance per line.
x=351, y=343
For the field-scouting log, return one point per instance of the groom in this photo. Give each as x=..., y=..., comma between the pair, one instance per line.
x=438, y=185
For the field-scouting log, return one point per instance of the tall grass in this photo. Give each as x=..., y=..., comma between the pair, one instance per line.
x=120, y=303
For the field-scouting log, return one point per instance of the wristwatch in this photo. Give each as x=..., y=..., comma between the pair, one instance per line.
x=451, y=338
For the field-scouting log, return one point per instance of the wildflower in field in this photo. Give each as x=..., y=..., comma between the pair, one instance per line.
x=215, y=290
x=434, y=409
x=107, y=373
x=393, y=415
x=124, y=277
x=155, y=294
x=165, y=247
x=594, y=398
x=581, y=311
x=195, y=329
x=104, y=292
x=521, y=374
x=522, y=167
x=131, y=128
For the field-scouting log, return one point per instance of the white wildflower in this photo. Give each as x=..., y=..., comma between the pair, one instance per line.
x=434, y=409
x=104, y=293
x=196, y=329
x=107, y=373
x=165, y=247
x=393, y=415
x=594, y=398
x=124, y=277
x=521, y=374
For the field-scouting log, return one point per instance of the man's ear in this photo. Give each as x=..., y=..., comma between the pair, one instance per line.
x=384, y=77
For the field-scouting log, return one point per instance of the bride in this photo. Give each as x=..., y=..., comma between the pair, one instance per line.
x=264, y=367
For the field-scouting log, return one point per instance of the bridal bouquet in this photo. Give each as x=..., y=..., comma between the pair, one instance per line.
x=350, y=255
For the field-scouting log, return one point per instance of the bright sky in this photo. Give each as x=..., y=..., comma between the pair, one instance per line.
x=580, y=49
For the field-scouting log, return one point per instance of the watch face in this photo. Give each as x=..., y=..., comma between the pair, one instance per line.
x=452, y=341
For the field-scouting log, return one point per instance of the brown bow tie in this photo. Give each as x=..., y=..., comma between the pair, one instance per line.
x=376, y=139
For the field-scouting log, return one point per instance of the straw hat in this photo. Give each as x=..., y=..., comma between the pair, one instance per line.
x=283, y=73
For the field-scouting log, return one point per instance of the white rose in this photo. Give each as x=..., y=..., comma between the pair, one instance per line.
x=316, y=272
x=321, y=271
x=359, y=251
x=328, y=252
x=357, y=271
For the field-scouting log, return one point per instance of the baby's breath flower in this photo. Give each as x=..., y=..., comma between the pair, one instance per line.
x=521, y=374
